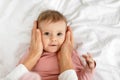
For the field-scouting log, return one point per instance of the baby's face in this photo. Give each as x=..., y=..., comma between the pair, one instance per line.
x=53, y=35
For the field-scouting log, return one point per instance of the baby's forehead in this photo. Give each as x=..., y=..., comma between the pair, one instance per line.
x=50, y=22
x=58, y=25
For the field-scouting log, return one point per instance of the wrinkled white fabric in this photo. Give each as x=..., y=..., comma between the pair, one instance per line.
x=95, y=23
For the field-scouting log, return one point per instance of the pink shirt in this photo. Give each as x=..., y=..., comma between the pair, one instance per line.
x=48, y=67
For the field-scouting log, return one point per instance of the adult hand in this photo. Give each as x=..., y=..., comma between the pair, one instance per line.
x=36, y=48
x=64, y=54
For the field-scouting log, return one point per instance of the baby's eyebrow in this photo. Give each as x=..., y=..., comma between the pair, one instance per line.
x=46, y=32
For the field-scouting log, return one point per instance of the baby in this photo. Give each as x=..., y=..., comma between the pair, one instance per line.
x=53, y=27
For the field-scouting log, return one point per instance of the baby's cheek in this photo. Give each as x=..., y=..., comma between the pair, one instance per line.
x=61, y=41
x=45, y=42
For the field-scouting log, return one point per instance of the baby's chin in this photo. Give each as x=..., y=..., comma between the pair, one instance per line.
x=51, y=51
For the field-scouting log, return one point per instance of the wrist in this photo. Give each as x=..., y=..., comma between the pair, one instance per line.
x=65, y=63
x=30, y=62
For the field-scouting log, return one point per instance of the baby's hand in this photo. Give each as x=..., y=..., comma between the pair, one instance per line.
x=91, y=64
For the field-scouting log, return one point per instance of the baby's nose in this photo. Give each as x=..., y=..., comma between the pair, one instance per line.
x=53, y=38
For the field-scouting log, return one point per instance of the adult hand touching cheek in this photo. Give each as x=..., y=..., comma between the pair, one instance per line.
x=36, y=48
x=64, y=54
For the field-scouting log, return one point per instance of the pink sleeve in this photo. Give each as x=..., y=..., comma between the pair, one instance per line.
x=82, y=73
x=85, y=75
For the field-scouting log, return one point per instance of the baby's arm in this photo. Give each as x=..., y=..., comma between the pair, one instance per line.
x=90, y=63
x=88, y=69
x=85, y=71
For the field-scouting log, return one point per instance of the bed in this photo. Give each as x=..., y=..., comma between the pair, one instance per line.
x=95, y=24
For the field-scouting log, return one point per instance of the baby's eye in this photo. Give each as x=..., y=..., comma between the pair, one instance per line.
x=59, y=34
x=46, y=33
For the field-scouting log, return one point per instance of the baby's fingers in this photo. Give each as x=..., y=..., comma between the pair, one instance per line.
x=89, y=60
x=88, y=57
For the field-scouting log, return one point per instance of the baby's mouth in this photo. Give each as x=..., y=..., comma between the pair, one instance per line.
x=53, y=45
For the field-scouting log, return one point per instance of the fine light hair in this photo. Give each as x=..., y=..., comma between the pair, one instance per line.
x=51, y=16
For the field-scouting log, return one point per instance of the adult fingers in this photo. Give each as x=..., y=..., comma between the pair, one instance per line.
x=71, y=36
x=34, y=30
x=38, y=43
x=67, y=37
x=38, y=36
x=33, y=36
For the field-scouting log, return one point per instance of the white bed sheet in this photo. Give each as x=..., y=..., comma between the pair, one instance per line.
x=95, y=23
